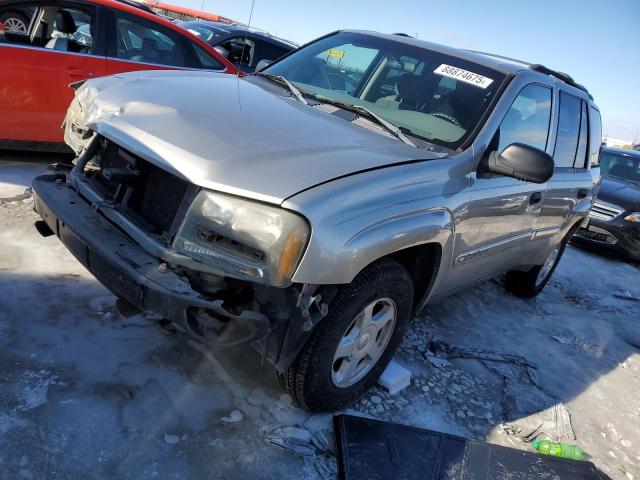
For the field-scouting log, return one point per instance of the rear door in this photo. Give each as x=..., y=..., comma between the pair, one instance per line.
x=138, y=43
x=37, y=70
x=570, y=188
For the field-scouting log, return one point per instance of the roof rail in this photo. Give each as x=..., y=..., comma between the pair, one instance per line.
x=495, y=55
x=566, y=78
x=536, y=67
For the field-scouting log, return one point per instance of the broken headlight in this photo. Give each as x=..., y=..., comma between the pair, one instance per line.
x=252, y=239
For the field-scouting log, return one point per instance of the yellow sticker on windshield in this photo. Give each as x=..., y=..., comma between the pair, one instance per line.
x=332, y=52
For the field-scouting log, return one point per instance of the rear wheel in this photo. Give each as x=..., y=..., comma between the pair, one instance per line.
x=15, y=22
x=353, y=344
x=529, y=284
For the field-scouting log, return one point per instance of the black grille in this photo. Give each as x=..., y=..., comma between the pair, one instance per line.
x=149, y=195
x=597, y=236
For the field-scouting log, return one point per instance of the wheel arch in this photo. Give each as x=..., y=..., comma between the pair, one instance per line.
x=423, y=263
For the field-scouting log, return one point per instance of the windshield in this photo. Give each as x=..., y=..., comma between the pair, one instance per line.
x=427, y=94
x=205, y=32
x=619, y=165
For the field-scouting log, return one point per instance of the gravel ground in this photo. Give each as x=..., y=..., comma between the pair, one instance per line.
x=87, y=392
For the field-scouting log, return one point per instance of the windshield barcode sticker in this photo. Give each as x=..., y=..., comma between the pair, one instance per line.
x=463, y=75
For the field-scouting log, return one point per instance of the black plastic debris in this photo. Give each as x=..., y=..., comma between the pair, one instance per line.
x=370, y=449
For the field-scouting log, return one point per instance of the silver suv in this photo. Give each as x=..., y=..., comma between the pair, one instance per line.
x=313, y=208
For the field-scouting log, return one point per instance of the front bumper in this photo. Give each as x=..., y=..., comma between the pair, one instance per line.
x=618, y=236
x=130, y=272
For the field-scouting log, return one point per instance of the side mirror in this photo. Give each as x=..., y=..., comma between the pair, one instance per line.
x=523, y=162
x=262, y=64
x=222, y=51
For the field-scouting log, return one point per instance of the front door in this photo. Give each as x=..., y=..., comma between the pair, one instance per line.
x=37, y=70
x=497, y=227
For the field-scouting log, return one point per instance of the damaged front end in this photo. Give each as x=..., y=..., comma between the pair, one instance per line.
x=218, y=266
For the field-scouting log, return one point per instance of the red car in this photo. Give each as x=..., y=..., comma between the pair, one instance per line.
x=71, y=40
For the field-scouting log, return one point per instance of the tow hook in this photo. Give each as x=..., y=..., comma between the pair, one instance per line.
x=42, y=228
x=311, y=306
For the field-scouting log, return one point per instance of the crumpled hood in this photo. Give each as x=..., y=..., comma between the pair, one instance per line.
x=229, y=134
x=618, y=192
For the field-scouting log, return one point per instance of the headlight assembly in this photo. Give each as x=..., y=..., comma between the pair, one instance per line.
x=633, y=217
x=254, y=240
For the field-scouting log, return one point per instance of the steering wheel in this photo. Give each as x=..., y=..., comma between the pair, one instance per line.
x=338, y=81
x=446, y=117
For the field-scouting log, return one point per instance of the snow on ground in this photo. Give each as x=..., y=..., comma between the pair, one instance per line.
x=87, y=392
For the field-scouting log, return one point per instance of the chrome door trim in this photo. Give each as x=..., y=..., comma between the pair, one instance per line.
x=485, y=249
x=50, y=50
x=164, y=66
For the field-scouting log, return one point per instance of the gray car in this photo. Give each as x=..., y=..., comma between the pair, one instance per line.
x=314, y=208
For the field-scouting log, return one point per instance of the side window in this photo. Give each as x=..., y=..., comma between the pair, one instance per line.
x=527, y=120
x=139, y=40
x=206, y=60
x=581, y=154
x=241, y=51
x=595, y=135
x=568, y=130
x=16, y=19
x=64, y=29
x=269, y=51
x=74, y=25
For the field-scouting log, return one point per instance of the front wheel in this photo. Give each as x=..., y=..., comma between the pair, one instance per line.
x=353, y=344
x=529, y=284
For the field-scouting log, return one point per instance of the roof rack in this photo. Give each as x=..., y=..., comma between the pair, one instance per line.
x=536, y=67
x=566, y=78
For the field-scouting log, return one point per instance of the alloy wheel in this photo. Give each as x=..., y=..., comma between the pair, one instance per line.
x=364, y=342
x=547, y=265
x=14, y=24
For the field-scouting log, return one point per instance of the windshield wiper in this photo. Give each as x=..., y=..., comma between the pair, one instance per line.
x=283, y=81
x=365, y=112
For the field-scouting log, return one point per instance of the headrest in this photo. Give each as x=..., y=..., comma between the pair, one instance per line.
x=65, y=22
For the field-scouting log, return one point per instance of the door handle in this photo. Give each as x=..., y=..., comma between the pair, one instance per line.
x=535, y=198
x=582, y=193
x=82, y=74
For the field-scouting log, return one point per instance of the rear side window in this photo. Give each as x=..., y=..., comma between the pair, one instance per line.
x=269, y=51
x=139, y=40
x=527, y=120
x=581, y=154
x=568, y=131
x=595, y=135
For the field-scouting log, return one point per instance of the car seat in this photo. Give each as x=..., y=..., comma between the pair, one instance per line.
x=87, y=49
x=66, y=25
x=466, y=102
x=148, y=53
x=412, y=93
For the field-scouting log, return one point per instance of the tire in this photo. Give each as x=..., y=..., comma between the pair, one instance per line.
x=313, y=380
x=531, y=283
x=15, y=22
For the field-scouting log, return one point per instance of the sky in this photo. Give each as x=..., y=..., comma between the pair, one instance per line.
x=596, y=42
